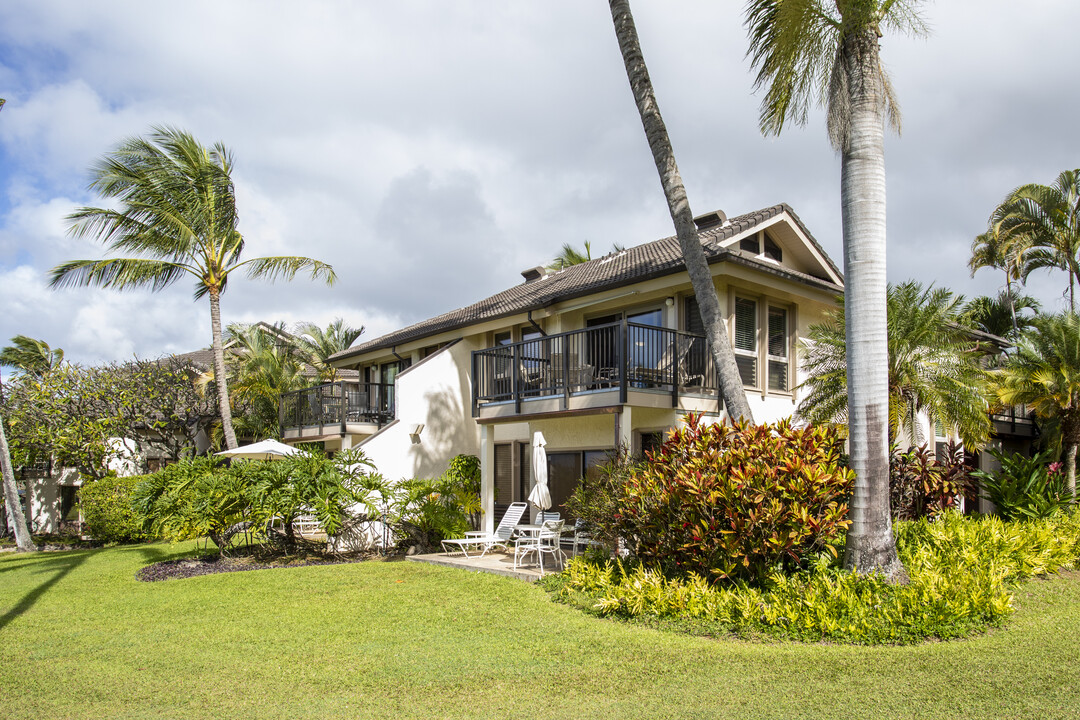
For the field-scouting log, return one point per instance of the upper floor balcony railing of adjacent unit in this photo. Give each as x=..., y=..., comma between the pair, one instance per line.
x=336, y=405
x=618, y=357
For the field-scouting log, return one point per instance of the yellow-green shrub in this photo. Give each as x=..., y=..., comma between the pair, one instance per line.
x=961, y=571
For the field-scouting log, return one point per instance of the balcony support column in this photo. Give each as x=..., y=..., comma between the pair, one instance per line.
x=487, y=478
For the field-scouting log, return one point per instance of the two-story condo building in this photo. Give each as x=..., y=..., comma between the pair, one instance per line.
x=606, y=354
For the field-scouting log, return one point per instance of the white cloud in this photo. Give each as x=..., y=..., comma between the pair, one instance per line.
x=430, y=151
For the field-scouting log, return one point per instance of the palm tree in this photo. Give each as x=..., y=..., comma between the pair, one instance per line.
x=934, y=368
x=991, y=250
x=261, y=368
x=1001, y=315
x=1040, y=227
x=1044, y=374
x=570, y=255
x=177, y=214
x=317, y=345
x=827, y=52
x=12, y=504
x=697, y=266
x=32, y=357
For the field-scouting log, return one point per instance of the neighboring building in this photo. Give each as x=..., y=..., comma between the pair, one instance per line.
x=600, y=355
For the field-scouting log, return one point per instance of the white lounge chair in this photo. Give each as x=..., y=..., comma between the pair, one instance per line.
x=486, y=541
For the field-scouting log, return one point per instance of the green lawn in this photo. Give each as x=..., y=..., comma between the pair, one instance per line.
x=81, y=638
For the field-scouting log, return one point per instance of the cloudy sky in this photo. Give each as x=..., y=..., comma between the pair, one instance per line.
x=431, y=150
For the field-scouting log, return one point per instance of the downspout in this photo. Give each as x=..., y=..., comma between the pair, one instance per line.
x=529, y=317
x=394, y=352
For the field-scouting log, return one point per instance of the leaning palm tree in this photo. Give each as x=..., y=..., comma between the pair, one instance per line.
x=12, y=504
x=30, y=356
x=1044, y=374
x=827, y=51
x=934, y=368
x=697, y=266
x=318, y=344
x=177, y=214
x=1040, y=225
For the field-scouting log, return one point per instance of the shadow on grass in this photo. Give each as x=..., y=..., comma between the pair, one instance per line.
x=59, y=567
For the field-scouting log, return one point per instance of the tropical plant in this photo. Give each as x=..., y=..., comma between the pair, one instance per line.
x=933, y=367
x=1001, y=315
x=1039, y=228
x=736, y=502
x=30, y=356
x=261, y=367
x=924, y=485
x=177, y=214
x=991, y=250
x=310, y=483
x=697, y=266
x=570, y=255
x=827, y=52
x=1025, y=488
x=317, y=345
x=1044, y=375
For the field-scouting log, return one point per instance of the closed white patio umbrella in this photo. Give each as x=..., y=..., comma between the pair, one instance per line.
x=262, y=450
x=540, y=496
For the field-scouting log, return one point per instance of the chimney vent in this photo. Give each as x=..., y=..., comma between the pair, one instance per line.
x=710, y=219
x=533, y=274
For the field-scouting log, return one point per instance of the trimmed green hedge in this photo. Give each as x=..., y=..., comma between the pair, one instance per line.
x=107, y=512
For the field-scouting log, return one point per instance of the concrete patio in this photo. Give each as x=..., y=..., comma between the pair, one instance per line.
x=494, y=562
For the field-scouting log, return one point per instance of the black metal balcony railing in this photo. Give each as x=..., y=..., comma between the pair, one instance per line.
x=619, y=356
x=338, y=404
x=1015, y=420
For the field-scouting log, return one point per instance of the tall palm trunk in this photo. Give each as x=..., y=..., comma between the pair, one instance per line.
x=11, y=497
x=219, y=370
x=697, y=266
x=870, y=543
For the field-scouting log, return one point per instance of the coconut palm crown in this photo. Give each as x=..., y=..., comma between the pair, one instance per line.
x=175, y=217
x=827, y=51
x=1039, y=228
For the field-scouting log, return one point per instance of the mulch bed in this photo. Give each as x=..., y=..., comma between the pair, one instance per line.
x=210, y=565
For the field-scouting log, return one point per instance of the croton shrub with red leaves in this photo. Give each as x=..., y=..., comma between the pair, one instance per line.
x=734, y=502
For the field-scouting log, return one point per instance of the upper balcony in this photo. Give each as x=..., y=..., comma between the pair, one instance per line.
x=1014, y=421
x=336, y=408
x=603, y=366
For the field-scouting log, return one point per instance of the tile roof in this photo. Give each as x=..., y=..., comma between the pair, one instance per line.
x=635, y=264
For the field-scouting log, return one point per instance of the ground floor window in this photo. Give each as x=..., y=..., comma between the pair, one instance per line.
x=567, y=469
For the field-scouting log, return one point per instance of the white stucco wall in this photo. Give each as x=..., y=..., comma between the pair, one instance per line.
x=436, y=393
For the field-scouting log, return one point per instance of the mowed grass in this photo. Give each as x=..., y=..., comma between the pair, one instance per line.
x=81, y=638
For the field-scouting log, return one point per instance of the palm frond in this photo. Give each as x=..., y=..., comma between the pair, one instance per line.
x=117, y=273
x=286, y=267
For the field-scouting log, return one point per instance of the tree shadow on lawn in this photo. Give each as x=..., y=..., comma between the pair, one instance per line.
x=66, y=561
x=59, y=567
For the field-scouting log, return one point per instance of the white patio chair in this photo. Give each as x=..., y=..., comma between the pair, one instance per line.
x=487, y=541
x=543, y=542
